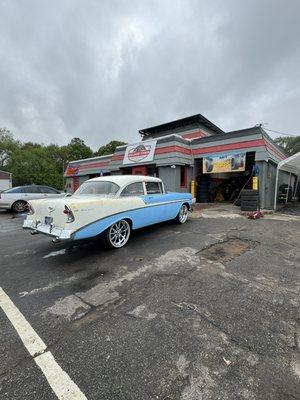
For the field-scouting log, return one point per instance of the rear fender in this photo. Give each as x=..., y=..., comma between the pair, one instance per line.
x=98, y=227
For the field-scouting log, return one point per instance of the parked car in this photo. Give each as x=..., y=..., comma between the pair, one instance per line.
x=16, y=199
x=112, y=206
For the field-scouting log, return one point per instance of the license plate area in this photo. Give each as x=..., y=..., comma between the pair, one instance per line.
x=48, y=220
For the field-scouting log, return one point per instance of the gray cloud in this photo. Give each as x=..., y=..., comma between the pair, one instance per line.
x=101, y=70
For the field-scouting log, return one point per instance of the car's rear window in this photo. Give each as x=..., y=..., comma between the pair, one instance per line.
x=153, y=187
x=18, y=189
x=97, y=188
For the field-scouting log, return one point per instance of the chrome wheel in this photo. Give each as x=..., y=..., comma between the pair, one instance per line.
x=183, y=214
x=118, y=234
x=19, y=206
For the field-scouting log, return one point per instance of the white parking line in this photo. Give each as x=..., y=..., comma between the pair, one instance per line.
x=58, y=379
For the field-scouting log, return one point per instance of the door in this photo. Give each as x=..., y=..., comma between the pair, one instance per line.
x=140, y=170
x=32, y=193
x=155, y=198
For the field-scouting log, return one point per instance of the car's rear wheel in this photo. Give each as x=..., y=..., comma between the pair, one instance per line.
x=182, y=216
x=117, y=235
x=19, y=206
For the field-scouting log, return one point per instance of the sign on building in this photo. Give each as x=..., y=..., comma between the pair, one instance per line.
x=142, y=152
x=224, y=163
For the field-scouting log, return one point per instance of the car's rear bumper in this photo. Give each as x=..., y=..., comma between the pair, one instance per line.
x=56, y=232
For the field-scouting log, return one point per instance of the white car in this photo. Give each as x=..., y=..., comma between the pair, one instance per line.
x=110, y=205
x=16, y=199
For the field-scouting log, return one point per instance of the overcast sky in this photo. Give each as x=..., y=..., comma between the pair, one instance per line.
x=102, y=70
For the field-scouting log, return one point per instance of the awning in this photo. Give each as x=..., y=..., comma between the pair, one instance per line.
x=291, y=165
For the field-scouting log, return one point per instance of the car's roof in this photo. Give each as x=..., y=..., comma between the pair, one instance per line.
x=122, y=180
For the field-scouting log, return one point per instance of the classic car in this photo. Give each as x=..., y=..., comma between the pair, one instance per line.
x=110, y=206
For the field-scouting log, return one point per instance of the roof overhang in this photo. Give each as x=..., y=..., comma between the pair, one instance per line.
x=290, y=164
x=179, y=123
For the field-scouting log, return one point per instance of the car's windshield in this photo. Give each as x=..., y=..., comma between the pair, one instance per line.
x=97, y=188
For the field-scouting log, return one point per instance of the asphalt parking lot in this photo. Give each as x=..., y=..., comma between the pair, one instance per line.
x=206, y=310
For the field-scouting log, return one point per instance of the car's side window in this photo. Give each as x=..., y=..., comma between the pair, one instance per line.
x=46, y=189
x=134, y=189
x=32, y=189
x=153, y=187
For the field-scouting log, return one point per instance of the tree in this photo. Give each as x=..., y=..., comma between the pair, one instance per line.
x=77, y=150
x=7, y=145
x=289, y=144
x=109, y=148
x=33, y=165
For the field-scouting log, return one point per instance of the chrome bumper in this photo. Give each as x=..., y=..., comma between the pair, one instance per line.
x=49, y=230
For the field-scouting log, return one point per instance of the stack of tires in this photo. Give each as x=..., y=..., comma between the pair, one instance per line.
x=249, y=200
x=203, y=191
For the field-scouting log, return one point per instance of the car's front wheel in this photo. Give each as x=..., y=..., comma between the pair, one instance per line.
x=117, y=235
x=19, y=206
x=182, y=216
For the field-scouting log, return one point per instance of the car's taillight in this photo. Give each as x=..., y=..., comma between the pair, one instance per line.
x=69, y=213
x=29, y=209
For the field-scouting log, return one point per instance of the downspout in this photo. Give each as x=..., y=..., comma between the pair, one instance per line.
x=276, y=188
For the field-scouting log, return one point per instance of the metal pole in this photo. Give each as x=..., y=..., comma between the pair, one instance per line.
x=276, y=188
x=63, y=171
x=296, y=186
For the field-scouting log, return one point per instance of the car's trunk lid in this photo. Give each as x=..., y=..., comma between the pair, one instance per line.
x=52, y=211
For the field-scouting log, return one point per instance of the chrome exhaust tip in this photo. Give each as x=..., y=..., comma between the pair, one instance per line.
x=34, y=232
x=56, y=240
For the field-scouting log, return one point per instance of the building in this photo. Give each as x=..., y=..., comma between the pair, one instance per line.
x=192, y=149
x=5, y=180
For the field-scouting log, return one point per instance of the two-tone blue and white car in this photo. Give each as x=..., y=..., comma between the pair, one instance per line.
x=111, y=206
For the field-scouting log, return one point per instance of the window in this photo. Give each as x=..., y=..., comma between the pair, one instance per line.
x=183, y=177
x=32, y=189
x=134, y=189
x=14, y=190
x=49, y=190
x=153, y=187
x=97, y=188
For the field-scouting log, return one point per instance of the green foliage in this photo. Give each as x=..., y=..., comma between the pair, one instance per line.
x=34, y=163
x=109, y=148
x=289, y=144
x=7, y=145
x=77, y=150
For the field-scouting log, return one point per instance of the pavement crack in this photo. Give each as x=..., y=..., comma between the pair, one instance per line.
x=296, y=341
x=237, y=341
